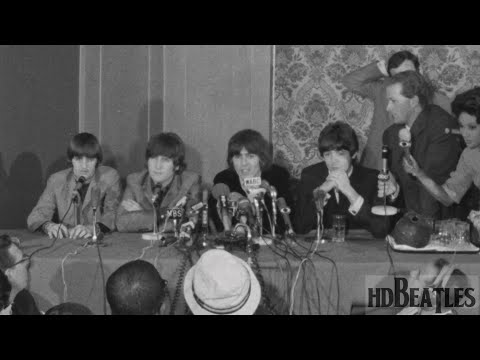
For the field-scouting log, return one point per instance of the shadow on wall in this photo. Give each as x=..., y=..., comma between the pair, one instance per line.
x=20, y=190
x=116, y=162
x=136, y=160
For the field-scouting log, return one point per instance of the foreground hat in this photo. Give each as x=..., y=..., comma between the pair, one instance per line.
x=221, y=284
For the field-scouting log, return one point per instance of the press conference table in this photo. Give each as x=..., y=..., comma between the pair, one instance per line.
x=359, y=259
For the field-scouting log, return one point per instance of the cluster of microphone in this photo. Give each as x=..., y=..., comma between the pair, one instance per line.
x=248, y=211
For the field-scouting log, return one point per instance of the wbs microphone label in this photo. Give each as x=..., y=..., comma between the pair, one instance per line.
x=410, y=290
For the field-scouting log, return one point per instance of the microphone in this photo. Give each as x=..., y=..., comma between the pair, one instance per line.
x=78, y=185
x=156, y=193
x=220, y=192
x=95, y=196
x=205, y=211
x=285, y=211
x=245, y=209
x=273, y=194
x=385, y=160
x=405, y=138
x=258, y=213
x=319, y=198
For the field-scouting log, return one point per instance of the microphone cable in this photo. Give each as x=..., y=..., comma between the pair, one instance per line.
x=391, y=270
x=29, y=257
x=63, y=268
x=334, y=264
x=103, y=279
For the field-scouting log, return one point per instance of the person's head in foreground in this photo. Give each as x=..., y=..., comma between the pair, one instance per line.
x=466, y=108
x=85, y=154
x=12, y=262
x=69, y=308
x=338, y=145
x=248, y=153
x=221, y=284
x=408, y=93
x=439, y=275
x=165, y=156
x=136, y=288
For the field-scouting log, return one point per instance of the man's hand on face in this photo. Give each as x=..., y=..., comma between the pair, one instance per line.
x=342, y=183
x=81, y=232
x=131, y=205
x=341, y=180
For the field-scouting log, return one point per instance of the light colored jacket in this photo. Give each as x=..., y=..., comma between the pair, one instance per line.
x=58, y=194
x=139, y=189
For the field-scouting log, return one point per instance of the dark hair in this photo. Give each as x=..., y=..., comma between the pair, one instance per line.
x=135, y=288
x=85, y=144
x=5, y=289
x=6, y=258
x=338, y=136
x=69, y=308
x=170, y=145
x=398, y=58
x=468, y=102
x=254, y=143
x=414, y=84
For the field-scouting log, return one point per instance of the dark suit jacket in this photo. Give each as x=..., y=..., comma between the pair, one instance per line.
x=139, y=189
x=276, y=176
x=436, y=151
x=363, y=180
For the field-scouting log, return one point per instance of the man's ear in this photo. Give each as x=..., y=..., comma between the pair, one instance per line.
x=414, y=102
x=355, y=156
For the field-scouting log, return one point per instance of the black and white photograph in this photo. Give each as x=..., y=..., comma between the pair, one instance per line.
x=240, y=180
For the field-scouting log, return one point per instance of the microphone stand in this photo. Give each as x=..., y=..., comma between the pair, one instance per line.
x=320, y=226
x=273, y=195
x=94, y=237
x=259, y=215
x=75, y=208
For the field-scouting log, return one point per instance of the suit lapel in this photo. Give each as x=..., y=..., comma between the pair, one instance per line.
x=91, y=187
x=170, y=197
x=147, y=189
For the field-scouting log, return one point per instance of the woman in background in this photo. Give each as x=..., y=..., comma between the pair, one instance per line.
x=466, y=108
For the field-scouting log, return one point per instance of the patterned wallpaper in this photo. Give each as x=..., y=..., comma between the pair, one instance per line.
x=308, y=92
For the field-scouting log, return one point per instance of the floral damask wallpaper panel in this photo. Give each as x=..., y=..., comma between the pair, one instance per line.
x=308, y=92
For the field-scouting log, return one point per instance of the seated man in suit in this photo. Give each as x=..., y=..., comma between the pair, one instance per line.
x=351, y=188
x=73, y=193
x=162, y=185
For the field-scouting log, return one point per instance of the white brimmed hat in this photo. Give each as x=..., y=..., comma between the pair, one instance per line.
x=221, y=284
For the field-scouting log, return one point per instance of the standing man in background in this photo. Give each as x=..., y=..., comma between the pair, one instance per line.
x=432, y=143
x=370, y=82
